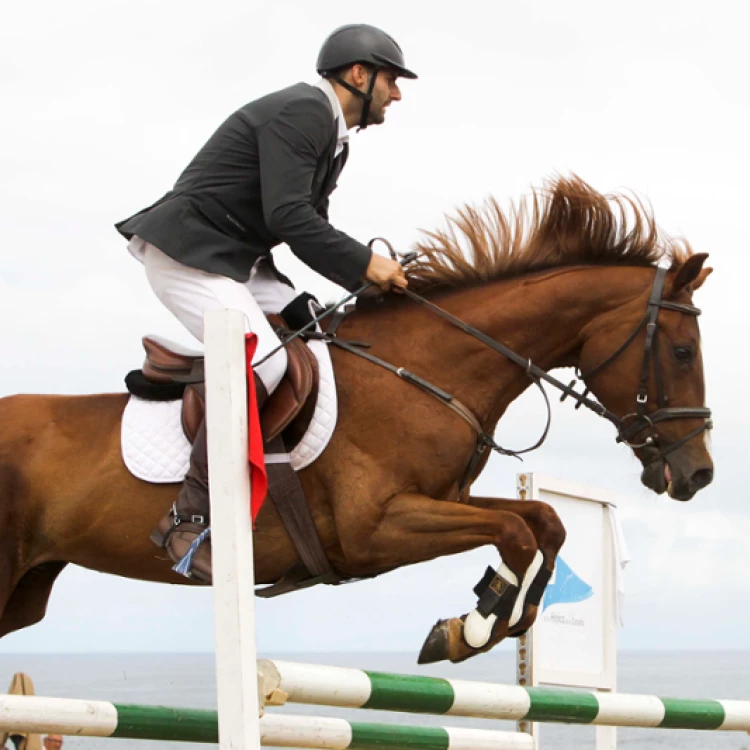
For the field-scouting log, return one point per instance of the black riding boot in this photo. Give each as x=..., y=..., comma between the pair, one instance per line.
x=189, y=517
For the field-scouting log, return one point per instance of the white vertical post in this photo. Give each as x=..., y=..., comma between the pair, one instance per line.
x=231, y=530
x=606, y=737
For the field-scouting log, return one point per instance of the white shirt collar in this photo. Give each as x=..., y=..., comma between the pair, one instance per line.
x=342, y=136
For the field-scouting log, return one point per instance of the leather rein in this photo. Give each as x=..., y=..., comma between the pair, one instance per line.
x=627, y=427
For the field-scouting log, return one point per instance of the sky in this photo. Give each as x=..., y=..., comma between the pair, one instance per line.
x=104, y=103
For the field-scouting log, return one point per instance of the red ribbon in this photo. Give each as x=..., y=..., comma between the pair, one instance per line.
x=255, y=456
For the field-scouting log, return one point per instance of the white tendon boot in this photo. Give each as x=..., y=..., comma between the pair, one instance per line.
x=500, y=597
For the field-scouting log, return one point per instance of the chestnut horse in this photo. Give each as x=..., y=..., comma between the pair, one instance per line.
x=563, y=280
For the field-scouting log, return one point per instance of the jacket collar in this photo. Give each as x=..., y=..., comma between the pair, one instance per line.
x=342, y=135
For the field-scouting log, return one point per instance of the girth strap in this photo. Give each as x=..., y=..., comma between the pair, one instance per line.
x=285, y=491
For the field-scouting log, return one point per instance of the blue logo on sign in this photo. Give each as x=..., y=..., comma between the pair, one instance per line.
x=567, y=588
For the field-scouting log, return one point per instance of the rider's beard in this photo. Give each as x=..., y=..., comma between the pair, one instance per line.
x=376, y=115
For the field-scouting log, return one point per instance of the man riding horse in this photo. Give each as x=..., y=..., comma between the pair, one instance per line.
x=263, y=178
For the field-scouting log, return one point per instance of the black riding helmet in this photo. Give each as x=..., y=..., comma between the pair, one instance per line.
x=361, y=43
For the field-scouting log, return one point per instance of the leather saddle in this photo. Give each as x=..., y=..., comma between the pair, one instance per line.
x=176, y=372
x=168, y=363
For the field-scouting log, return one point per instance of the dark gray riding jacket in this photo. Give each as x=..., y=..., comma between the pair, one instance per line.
x=264, y=177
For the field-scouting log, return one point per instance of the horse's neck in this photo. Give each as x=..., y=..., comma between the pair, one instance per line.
x=543, y=318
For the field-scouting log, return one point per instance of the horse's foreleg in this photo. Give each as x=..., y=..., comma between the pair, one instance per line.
x=413, y=528
x=548, y=531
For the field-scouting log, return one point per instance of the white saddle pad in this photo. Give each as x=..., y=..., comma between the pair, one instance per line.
x=155, y=449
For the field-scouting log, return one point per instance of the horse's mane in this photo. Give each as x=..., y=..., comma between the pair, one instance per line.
x=565, y=223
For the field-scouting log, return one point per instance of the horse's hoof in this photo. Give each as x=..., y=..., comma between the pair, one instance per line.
x=437, y=644
x=446, y=642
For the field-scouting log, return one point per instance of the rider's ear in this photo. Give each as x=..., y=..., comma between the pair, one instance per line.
x=691, y=274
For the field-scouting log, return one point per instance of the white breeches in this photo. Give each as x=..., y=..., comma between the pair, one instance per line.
x=188, y=292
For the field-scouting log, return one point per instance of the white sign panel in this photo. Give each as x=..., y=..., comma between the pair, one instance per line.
x=569, y=629
x=573, y=640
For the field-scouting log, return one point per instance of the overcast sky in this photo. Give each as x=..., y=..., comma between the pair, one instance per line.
x=104, y=103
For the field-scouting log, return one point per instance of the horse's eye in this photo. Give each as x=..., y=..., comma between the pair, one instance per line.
x=684, y=354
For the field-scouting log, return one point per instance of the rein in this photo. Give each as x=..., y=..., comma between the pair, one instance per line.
x=627, y=427
x=484, y=440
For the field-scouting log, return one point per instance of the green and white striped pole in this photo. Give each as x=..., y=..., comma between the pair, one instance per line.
x=318, y=732
x=353, y=688
x=103, y=719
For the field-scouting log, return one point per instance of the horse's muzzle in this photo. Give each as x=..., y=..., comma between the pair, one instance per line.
x=679, y=477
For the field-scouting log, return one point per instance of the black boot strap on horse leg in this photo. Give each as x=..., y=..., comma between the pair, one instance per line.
x=535, y=593
x=538, y=585
x=491, y=589
x=502, y=597
x=496, y=595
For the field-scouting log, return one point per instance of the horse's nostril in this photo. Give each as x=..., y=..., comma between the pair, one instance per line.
x=702, y=478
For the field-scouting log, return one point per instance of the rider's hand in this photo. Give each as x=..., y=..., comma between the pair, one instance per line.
x=386, y=273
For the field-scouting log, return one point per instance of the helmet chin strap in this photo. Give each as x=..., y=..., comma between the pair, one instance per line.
x=367, y=96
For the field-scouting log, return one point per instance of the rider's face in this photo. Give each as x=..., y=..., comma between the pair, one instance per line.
x=386, y=91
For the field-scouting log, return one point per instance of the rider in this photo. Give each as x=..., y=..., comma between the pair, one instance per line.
x=263, y=178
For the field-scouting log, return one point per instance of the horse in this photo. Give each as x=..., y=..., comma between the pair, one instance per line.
x=565, y=278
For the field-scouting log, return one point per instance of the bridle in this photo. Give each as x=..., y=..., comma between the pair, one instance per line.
x=631, y=424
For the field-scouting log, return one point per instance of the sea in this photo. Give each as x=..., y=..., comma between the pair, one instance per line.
x=188, y=680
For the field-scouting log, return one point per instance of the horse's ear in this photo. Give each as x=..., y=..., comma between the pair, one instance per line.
x=691, y=274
